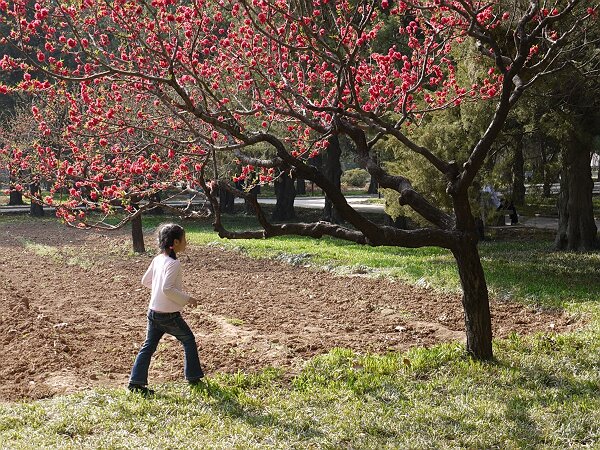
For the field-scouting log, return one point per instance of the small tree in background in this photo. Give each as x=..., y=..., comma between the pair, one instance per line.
x=198, y=78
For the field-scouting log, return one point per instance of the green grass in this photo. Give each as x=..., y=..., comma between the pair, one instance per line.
x=66, y=255
x=546, y=206
x=542, y=391
x=531, y=272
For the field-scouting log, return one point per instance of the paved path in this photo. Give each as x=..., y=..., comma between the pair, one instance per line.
x=549, y=223
x=361, y=203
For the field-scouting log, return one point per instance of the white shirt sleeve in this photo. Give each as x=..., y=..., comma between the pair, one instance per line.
x=172, y=272
x=147, y=278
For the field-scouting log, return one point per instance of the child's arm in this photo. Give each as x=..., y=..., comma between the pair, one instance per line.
x=147, y=278
x=173, y=293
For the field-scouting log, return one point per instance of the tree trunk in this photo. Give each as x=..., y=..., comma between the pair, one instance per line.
x=373, y=186
x=576, y=226
x=547, y=187
x=475, y=301
x=249, y=206
x=16, y=198
x=547, y=182
x=137, y=234
x=226, y=201
x=285, y=193
x=300, y=186
x=518, y=187
x=249, y=209
x=400, y=222
x=156, y=198
x=332, y=169
x=36, y=209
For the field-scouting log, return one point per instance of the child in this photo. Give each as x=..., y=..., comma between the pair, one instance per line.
x=166, y=301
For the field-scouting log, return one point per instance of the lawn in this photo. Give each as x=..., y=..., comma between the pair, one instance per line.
x=542, y=391
x=523, y=269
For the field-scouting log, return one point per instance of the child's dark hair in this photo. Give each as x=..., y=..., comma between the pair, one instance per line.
x=167, y=233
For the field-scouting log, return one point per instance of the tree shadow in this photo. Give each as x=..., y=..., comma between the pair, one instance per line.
x=547, y=388
x=225, y=401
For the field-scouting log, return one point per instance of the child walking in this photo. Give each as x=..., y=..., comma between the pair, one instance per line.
x=164, y=316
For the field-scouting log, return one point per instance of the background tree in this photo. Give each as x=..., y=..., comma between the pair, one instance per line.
x=228, y=76
x=18, y=136
x=576, y=227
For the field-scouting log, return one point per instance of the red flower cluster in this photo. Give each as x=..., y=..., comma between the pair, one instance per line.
x=158, y=84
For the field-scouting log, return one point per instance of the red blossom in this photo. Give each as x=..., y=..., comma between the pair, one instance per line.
x=152, y=81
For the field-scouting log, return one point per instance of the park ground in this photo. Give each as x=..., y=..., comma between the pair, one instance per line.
x=73, y=312
x=298, y=354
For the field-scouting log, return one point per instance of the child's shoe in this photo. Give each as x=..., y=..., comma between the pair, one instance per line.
x=199, y=385
x=139, y=389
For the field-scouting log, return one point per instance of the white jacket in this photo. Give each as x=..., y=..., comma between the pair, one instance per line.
x=164, y=277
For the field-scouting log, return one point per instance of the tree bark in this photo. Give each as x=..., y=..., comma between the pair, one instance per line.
x=137, y=234
x=332, y=169
x=300, y=186
x=36, y=209
x=248, y=204
x=285, y=193
x=518, y=185
x=576, y=226
x=156, y=198
x=546, y=175
x=475, y=301
x=16, y=198
x=226, y=201
x=373, y=185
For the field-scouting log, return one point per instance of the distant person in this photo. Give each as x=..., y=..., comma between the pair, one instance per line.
x=489, y=201
x=512, y=209
x=492, y=195
x=514, y=217
x=164, y=312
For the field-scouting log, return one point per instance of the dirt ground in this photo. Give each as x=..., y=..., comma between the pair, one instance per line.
x=72, y=312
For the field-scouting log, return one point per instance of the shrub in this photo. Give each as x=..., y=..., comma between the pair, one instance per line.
x=355, y=177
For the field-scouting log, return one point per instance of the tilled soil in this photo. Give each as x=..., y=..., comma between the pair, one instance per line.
x=72, y=312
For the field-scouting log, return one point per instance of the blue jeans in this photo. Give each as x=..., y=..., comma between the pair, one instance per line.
x=158, y=325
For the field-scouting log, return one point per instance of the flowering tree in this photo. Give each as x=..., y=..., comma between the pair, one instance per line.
x=285, y=76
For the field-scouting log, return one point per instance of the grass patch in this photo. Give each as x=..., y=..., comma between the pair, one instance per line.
x=235, y=322
x=63, y=254
x=42, y=250
x=531, y=272
x=541, y=392
x=546, y=206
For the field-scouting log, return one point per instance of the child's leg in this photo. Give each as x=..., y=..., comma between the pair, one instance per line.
x=139, y=373
x=180, y=329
